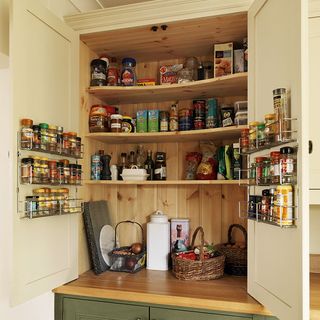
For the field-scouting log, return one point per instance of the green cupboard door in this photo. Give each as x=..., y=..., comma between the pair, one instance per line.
x=78, y=309
x=172, y=314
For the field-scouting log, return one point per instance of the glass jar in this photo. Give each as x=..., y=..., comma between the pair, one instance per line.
x=53, y=172
x=73, y=143
x=42, y=204
x=52, y=137
x=164, y=121
x=128, y=73
x=98, y=73
x=79, y=174
x=113, y=73
x=253, y=135
x=127, y=125
x=173, y=120
x=32, y=207
x=270, y=123
x=272, y=193
x=78, y=147
x=44, y=136
x=287, y=165
x=27, y=170
x=36, y=138
x=66, y=171
x=37, y=176
x=73, y=173
x=116, y=122
x=66, y=143
x=259, y=168
x=60, y=172
x=265, y=179
x=261, y=134
x=275, y=167
x=44, y=170
x=65, y=200
x=282, y=111
x=59, y=139
x=26, y=133
x=252, y=174
x=265, y=204
x=54, y=201
x=244, y=140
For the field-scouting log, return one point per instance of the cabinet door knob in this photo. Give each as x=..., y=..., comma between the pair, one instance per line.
x=310, y=146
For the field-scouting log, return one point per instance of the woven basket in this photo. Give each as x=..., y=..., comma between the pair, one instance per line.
x=236, y=258
x=203, y=269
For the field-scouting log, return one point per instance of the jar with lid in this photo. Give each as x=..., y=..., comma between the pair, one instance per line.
x=272, y=194
x=164, y=121
x=65, y=199
x=128, y=73
x=160, y=167
x=261, y=134
x=66, y=143
x=252, y=174
x=60, y=172
x=52, y=137
x=116, y=123
x=244, y=140
x=66, y=171
x=59, y=139
x=36, y=138
x=98, y=73
x=77, y=153
x=265, y=204
x=253, y=135
x=53, y=172
x=265, y=179
x=37, y=176
x=42, y=194
x=282, y=111
x=44, y=136
x=73, y=173
x=113, y=73
x=275, y=167
x=259, y=168
x=79, y=174
x=27, y=170
x=26, y=133
x=32, y=203
x=287, y=165
x=173, y=124
x=44, y=170
x=127, y=125
x=98, y=118
x=270, y=128
x=284, y=205
x=54, y=201
x=73, y=143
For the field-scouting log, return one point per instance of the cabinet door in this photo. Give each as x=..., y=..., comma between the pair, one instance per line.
x=172, y=314
x=278, y=266
x=44, y=69
x=76, y=309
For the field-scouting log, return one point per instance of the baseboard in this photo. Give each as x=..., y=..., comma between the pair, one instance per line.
x=315, y=263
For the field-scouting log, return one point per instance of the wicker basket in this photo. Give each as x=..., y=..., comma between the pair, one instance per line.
x=236, y=258
x=203, y=269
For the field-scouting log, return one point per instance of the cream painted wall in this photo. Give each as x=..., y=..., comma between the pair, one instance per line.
x=4, y=36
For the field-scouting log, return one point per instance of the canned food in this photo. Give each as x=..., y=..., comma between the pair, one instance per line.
x=284, y=205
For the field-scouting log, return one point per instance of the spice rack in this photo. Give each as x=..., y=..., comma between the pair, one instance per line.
x=47, y=202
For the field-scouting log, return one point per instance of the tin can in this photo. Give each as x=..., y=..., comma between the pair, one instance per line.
x=212, y=113
x=164, y=121
x=284, y=205
x=96, y=167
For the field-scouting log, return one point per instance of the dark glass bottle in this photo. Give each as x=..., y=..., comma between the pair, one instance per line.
x=149, y=166
x=160, y=168
x=123, y=164
x=132, y=161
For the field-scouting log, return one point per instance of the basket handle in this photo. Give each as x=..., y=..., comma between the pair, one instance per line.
x=199, y=229
x=241, y=228
x=127, y=221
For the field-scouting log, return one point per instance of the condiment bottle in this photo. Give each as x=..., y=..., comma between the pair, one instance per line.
x=149, y=166
x=282, y=111
x=113, y=73
x=116, y=122
x=173, y=124
x=164, y=121
x=26, y=133
x=265, y=204
x=160, y=171
x=287, y=165
x=244, y=140
x=36, y=138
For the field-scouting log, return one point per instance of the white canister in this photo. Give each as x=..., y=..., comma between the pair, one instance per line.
x=158, y=241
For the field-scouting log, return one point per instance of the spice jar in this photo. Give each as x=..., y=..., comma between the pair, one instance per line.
x=265, y=204
x=116, y=122
x=284, y=205
x=259, y=168
x=73, y=143
x=164, y=121
x=73, y=173
x=44, y=204
x=244, y=140
x=27, y=170
x=26, y=133
x=66, y=171
x=252, y=174
x=78, y=147
x=261, y=134
x=127, y=125
x=60, y=172
x=44, y=136
x=128, y=74
x=160, y=168
x=44, y=170
x=287, y=165
x=53, y=172
x=32, y=205
x=37, y=170
x=52, y=138
x=36, y=138
x=79, y=174
x=64, y=200
x=253, y=135
x=66, y=143
x=275, y=167
x=54, y=195
x=265, y=179
x=98, y=73
x=270, y=124
x=282, y=111
x=272, y=193
x=59, y=139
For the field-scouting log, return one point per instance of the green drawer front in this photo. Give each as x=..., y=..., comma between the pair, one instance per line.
x=171, y=314
x=74, y=309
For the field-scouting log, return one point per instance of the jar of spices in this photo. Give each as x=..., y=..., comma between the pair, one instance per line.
x=65, y=199
x=26, y=134
x=116, y=123
x=66, y=143
x=52, y=137
x=66, y=171
x=252, y=174
x=284, y=205
x=59, y=139
x=98, y=73
x=261, y=134
x=253, y=144
x=32, y=206
x=173, y=121
x=244, y=140
x=27, y=170
x=127, y=125
x=36, y=138
x=42, y=195
x=37, y=176
x=272, y=193
x=78, y=147
x=265, y=204
x=44, y=170
x=53, y=172
x=287, y=165
x=259, y=168
x=60, y=172
x=54, y=201
x=282, y=111
x=275, y=167
x=164, y=121
x=79, y=174
x=160, y=168
x=128, y=73
x=265, y=179
x=73, y=173
x=270, y=123
x=44, y=136
x=73, y=143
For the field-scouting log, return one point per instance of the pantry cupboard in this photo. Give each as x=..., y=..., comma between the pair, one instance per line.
x=47, y=62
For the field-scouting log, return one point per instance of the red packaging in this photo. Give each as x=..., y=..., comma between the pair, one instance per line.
x=169, y=73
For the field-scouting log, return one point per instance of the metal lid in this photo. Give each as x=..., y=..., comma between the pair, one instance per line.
x=116, y=116
x=279, y=91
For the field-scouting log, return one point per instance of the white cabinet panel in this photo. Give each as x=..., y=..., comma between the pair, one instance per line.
x=278, y=258
x=44, y=63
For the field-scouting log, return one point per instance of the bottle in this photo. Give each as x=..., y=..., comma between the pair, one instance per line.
x=132, y=161
x=123, y=164
x=149, y=166
x=113, y=73
x=140, y=156
x=160, y=171
x=173, y=123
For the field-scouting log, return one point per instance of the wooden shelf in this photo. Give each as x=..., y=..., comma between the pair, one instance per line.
x=167, y=182
x=233, y=85
x=162, y=137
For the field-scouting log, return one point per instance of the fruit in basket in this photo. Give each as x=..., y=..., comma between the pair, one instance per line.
x=130, y=263
x=136, y=247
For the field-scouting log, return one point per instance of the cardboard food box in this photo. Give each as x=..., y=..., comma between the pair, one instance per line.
x=142, y=121
x=223, y=59
x=179, y=234
x=146, y=82
x=153, y=120
x=169, y=73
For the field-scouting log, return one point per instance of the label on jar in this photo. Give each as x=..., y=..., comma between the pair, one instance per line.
x=162, y=172
x=115, y=125
x=98, y=76
x=127, y=78
x=275, y=169
x=164, y=125
x=287, y=166
x=173, y=124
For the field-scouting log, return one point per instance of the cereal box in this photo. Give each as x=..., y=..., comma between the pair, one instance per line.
x=153, y=120
x=223, y=59
x=142, y=121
